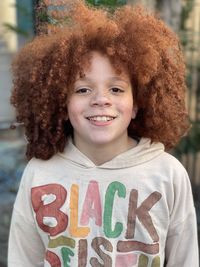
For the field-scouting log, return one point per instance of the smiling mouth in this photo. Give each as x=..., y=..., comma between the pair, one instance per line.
x=101, y=118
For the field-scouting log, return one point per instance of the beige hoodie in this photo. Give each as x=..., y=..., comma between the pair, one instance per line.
x=135, y=210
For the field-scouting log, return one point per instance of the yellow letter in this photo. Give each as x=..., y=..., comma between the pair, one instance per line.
x=76, y=231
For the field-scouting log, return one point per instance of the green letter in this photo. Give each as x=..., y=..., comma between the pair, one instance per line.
x=108, y=208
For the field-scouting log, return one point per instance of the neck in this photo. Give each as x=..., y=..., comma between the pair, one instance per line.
x=100, y=154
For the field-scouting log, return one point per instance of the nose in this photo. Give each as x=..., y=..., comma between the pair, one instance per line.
x=101, y=98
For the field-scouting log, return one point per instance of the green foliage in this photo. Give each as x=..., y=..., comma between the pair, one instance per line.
x=108, y=3
x=187, y=7
x=44, y=14
x=16, y=29
x=185, y=33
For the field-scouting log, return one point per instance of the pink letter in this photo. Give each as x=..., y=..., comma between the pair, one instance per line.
x=126, y=260
x=92, y=205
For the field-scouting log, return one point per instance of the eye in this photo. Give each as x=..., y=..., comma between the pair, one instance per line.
x=117, y=90
x=83, y=90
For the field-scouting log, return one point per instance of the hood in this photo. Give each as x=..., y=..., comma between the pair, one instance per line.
x=144, y=151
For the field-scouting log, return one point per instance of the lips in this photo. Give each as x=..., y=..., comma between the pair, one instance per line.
x=102, y=118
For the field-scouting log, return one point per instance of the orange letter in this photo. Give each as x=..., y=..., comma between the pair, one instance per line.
x=74, y=229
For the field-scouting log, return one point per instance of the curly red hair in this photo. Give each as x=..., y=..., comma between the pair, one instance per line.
x=45, y=69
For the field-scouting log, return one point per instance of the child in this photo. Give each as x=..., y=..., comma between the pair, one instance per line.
x=100, y=101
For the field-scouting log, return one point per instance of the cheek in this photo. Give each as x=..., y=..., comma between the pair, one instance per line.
x=73, y=111
x=129, y=115
x=127, y=108
x=73, y=106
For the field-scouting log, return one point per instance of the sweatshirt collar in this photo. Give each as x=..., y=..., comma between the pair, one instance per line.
x=143, y=152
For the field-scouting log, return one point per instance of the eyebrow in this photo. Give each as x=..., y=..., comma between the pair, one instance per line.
x=119, y=79
x=112, y=79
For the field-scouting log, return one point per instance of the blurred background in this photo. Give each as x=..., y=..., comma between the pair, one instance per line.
x=19, y=23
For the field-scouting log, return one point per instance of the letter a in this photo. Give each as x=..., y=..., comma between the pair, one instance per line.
x=92, y=205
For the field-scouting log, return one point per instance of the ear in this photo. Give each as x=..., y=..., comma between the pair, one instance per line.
x=134, y=112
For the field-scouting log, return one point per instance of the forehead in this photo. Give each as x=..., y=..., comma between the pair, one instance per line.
x=96, y=63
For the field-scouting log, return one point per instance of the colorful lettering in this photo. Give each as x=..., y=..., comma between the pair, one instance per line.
x=52, y=259
x=66, y=254
x=50, y=208
x=74, y=229
x=143, y=261
x=142, y=212
x=96, y=243
x=108, y=209
x=126, y=260
x=82, y=253
x=128, y=246
x=156, y=262
x=48, y=203
x=92, y=205
x=61, y=241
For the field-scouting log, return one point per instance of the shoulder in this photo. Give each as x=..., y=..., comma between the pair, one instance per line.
x=39, y=164
x=37, y=168
x=174, y=170
x=170, y=170
x=170, y=162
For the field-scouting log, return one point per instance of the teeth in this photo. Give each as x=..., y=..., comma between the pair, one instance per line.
x=100, y=118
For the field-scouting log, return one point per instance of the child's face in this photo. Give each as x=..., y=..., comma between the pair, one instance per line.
x=101, y=105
